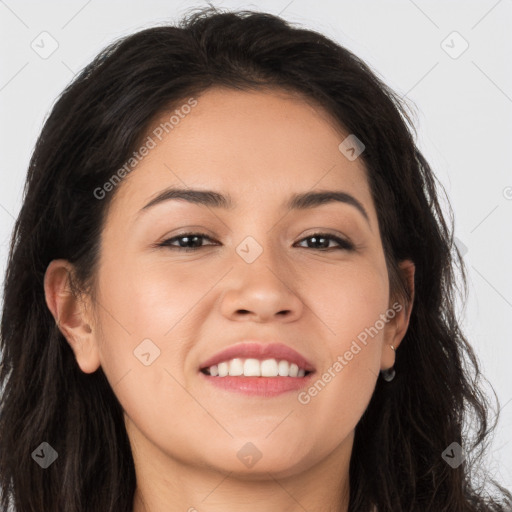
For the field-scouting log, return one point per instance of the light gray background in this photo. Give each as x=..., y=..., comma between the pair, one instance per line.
x=464, y=120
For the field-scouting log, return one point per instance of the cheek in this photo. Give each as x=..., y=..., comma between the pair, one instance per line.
x=350, y=303
x=150, y=299
x=148, y=317
x=347, y=300
x=143, y=313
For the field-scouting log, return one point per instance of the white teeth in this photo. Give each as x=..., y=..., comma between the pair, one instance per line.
x=254, y=368
x=283, y=368
x=269, y=368
x=236, y=367
x=223, y=369
x=294, y=370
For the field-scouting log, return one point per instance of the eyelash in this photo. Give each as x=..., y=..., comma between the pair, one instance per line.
x=343, y=244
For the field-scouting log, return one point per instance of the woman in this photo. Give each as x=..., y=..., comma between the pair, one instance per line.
x=231, y=287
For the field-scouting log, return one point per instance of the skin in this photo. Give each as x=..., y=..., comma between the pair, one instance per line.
x=258, y=147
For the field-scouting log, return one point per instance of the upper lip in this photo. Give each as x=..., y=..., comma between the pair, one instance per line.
x=261, y=351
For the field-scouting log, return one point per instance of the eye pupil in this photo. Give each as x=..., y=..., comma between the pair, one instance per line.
x=190, y=241
x=317, y=238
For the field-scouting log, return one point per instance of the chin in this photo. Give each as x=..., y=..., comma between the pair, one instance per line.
x=255, y=460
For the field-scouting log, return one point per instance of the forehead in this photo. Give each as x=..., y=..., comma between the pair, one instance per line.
x=257, y=146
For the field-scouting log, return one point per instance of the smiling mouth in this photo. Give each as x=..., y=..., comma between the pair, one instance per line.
x=250, y=367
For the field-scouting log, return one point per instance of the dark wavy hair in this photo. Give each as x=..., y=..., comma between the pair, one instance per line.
x=92, y=130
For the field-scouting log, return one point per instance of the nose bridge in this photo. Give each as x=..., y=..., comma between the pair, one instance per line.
x=258, y=243
x=261, y=250
x=261, y=282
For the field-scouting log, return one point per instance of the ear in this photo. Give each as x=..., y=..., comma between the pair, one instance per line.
x=397, y=326
x=71, y=314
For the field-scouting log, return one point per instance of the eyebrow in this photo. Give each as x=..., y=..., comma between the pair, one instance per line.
x=213, y=199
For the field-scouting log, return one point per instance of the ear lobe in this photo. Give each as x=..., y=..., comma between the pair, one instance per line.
x=70, y=313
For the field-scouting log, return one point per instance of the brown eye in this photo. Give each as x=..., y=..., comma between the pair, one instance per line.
x=321, y=242
x=187, y=241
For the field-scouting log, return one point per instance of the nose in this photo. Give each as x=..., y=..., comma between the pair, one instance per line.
x=262, y=291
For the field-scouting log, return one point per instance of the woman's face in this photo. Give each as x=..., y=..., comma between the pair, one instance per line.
x=259, y=275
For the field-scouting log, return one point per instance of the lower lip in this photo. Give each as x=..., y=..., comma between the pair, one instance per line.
x=259, y=386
